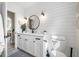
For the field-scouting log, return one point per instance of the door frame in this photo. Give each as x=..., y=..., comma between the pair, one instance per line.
x=14, y=27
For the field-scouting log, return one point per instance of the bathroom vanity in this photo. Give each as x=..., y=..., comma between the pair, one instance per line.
x=31, y=43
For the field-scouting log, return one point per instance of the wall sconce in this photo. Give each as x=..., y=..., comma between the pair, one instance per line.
x=42, y=13
x=43, y=16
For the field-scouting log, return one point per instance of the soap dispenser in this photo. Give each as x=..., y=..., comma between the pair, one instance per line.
x=47, y=55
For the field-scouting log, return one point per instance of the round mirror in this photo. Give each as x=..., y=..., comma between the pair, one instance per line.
x=34, y=22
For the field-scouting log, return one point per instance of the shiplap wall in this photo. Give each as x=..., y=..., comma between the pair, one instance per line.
x=60, y=20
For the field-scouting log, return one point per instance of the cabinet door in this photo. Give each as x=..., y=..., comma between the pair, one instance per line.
x=30, y=45
x=25, y=41
x=19, y=41
x=38, y=47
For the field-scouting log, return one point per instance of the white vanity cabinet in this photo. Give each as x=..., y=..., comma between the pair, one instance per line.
x=31, y=43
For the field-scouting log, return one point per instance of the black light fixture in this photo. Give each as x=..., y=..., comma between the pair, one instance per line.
x=42, y=13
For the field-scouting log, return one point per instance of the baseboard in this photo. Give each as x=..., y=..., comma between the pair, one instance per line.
x=25, y=52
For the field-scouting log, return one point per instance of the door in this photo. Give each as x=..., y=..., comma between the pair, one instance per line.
x=10, y=32
x=1, y=31
x=2, y=42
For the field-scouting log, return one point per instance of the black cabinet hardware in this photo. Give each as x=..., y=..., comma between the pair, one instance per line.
x=37, y=38
x=45, y=40
x=25, y=39
x=19, y=38
x=33, y=41
x=18, y=35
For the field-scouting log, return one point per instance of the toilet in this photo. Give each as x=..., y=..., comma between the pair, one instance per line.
x=58, y=54
x=53, y=46
x=56, y=43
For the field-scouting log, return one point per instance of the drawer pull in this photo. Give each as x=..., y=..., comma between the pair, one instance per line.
x=19, y=38
x=45, y=40
x=37, y=38
x=18, y=35
x=33, y=41
x=25, y=39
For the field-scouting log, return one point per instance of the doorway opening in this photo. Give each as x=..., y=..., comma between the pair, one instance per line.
x=10, y=32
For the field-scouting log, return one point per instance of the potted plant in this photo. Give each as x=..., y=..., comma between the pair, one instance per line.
x=23, y=27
